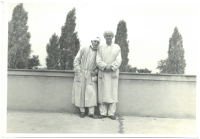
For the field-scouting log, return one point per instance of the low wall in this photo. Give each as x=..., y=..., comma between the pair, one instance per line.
x=156, y=95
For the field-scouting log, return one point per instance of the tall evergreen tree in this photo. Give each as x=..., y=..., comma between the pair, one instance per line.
x=175, y=63
x=121, y=40
x=69, y=41
x=53, y=53
x=19, y=48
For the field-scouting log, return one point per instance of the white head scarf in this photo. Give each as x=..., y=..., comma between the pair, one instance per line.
x=97, y=38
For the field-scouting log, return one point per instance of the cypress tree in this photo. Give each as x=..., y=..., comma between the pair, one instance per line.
x=69, y=41
x=53, y=53
x=175, y=63
x=121, y=40
x=19, y=48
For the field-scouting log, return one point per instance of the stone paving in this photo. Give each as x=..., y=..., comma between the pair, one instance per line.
x=52, y=122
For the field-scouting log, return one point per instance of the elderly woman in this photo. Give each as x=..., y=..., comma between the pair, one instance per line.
x=108, y=61
x=84, y=93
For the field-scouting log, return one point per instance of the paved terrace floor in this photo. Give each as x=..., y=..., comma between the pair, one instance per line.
x=49, y=122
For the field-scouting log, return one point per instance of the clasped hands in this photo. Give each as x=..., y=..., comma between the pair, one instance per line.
x=108, y=68
x=93, y=73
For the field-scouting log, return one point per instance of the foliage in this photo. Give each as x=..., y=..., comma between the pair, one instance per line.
x=162, y=66
x=175, y=63
x=128, y=68
x=121, y=40
x=69, y=41
x=33, y=62
x=143, y=70
x=19, y=48
x=53, y=53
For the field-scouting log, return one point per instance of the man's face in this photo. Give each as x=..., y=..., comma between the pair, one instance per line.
x=108, y=37
x=95, y=43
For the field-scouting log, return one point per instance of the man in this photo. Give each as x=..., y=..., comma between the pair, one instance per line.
x=84, y=93
x=108, y=60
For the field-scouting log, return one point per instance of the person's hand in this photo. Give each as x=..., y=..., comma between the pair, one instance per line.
x=93, y=74
x=108, y=70
x=107, y=66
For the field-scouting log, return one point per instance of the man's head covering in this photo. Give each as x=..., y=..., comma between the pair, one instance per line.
x=96, y=38
x=108, y=33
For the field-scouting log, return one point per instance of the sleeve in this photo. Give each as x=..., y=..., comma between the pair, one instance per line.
x=77, y=61
x=116, y=64
x=101, y=65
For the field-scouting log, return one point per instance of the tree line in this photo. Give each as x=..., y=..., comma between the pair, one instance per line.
x=62, y=50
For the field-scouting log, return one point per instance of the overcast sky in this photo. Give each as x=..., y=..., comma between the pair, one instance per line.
x=150, y=24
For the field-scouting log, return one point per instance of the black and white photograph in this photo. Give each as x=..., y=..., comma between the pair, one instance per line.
x=99, y=68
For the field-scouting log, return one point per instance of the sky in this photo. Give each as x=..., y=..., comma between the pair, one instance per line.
x=150, y=25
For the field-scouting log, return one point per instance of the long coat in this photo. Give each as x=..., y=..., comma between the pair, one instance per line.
x=108, y=81
x=84, y=92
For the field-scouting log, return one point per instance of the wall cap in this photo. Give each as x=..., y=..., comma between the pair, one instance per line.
x=123, y=75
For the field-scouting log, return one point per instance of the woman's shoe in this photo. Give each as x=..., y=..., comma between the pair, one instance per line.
x=82, y=115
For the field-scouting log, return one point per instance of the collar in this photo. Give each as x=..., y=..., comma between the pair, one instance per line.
x=94, y=49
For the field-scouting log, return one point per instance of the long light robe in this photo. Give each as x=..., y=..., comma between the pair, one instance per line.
x=84, y=92
x=108, y=81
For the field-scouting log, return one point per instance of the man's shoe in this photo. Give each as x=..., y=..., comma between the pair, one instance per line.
x=102, y=116
x=93, y=116
x=82, y=115
x=112, y=117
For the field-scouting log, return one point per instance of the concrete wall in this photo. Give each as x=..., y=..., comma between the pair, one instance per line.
x=153, y=95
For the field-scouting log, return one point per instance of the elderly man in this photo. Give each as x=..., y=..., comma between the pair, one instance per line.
x=108, y=60
x=84, y=93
